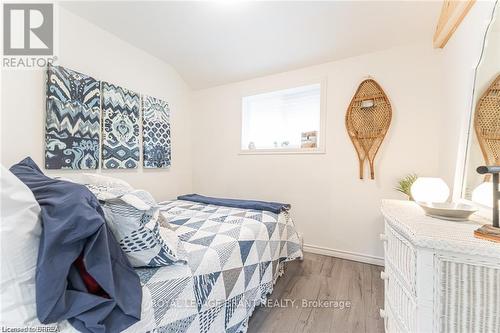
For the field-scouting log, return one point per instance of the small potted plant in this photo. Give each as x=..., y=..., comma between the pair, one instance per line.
x=405, y=183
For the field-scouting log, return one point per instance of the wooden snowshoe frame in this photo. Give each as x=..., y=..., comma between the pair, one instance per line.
x=367, y=121
x=487, y=123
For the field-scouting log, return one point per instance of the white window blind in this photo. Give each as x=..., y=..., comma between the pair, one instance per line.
x=284, y=119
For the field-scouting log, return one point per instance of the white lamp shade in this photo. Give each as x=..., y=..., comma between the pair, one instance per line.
x=483, y=194
x=429, y=189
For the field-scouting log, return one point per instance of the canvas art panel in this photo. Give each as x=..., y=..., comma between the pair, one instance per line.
x=156, y=132
x=72, y=121
x=120, y=127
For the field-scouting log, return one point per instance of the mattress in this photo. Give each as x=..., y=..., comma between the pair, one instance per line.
x=234, y=258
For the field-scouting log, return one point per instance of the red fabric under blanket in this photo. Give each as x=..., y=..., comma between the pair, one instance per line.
x=92, y=286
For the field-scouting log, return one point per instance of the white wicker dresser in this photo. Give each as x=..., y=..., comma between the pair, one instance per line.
x=438, y=277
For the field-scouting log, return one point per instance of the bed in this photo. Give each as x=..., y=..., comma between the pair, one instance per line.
x=235, y=257
x=227, y=259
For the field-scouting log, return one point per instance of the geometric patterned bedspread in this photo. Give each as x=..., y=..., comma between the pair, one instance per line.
x=235, y=257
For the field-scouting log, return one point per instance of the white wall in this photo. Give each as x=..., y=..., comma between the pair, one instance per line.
x=332, y=208
x=460, y=58
x=91, y=50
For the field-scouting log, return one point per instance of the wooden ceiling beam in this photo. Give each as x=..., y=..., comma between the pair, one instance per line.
x=452, y=14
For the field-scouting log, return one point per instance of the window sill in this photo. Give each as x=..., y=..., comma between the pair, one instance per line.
x=282, y=151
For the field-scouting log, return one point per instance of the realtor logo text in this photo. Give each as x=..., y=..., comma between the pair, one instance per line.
x=28, y=35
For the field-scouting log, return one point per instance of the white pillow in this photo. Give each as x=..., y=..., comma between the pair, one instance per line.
x=136, y=222
x=20, y=229
x=94, y=179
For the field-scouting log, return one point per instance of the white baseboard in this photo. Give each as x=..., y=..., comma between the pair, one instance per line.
x=344, y=254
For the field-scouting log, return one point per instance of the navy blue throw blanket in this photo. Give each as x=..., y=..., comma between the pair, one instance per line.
x=274, y=207
x=73, y=224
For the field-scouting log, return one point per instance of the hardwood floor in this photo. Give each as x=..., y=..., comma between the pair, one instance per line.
x=320, y=277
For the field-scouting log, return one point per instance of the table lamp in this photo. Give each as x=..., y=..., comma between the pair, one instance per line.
x=491, y=232
x=430, y=189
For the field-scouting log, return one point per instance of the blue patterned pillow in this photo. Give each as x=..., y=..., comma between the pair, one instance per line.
x=134, y=218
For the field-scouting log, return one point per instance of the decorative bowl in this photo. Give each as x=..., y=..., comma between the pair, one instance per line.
x=452, y=211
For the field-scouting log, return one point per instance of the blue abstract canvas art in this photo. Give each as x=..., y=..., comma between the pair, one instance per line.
x=120, y=132
x=73, y=120
x=156, y=132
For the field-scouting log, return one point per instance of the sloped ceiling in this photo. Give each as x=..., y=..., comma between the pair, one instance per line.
x=213, y=43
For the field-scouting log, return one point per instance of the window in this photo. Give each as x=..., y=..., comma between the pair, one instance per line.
x=286, y=120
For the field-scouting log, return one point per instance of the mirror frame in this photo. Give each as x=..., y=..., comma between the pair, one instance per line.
x=468, y=127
